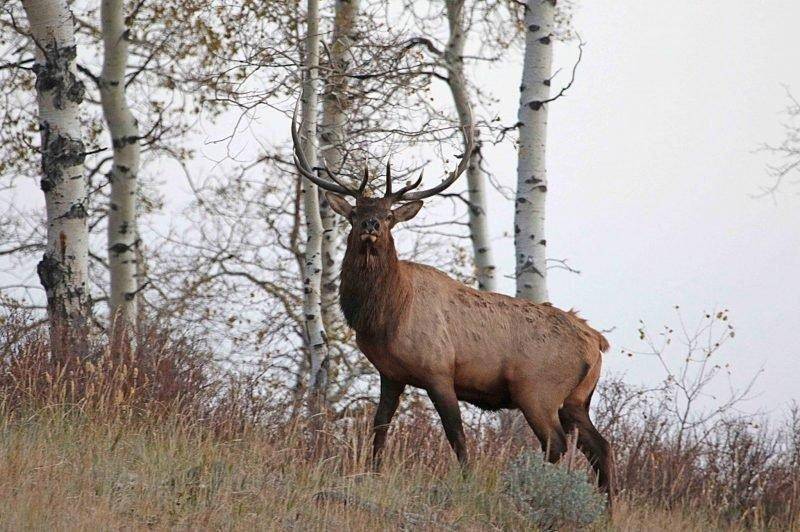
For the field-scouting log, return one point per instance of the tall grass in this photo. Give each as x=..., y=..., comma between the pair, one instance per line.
x=157, y=373
x=742, y=469
x=152, y=436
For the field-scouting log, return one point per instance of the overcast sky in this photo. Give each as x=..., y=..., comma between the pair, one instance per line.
x=652, y=163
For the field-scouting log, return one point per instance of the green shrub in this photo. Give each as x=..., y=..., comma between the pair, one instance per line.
x=550, y=495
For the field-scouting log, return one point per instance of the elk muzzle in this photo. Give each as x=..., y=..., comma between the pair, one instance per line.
x=370, y=228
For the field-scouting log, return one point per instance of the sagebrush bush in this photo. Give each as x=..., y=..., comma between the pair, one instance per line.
x=551, y=496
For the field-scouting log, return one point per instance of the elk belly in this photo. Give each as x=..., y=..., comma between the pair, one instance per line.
x=482, y=385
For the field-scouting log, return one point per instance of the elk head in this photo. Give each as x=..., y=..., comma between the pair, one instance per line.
x=372, y=219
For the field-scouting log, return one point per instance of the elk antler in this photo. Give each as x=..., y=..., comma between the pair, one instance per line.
x=309, y=173
x=405, y=194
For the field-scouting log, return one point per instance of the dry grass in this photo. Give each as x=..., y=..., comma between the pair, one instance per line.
x=68, y=471
x=64, y=470
x=149, y=440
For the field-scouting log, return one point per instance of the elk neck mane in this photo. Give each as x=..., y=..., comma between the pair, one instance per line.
x=374, y=291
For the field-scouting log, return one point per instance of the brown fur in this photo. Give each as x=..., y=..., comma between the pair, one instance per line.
x=422, y=328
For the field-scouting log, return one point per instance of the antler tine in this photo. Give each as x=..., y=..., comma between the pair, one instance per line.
x=364, y=180
x=399, y=195
x=388, y=178
x=333, y=177
x=301, y=163
x=469, y=137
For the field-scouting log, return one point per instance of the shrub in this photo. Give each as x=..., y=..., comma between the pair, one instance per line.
x=551, y=496
x=163, y=372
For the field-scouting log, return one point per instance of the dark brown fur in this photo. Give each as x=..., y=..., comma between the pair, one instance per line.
x=373, y=294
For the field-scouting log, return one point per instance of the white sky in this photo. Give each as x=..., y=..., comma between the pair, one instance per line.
x=652, y=160
x=652, y=163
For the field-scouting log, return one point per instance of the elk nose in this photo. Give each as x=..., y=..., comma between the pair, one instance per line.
x=370, y=225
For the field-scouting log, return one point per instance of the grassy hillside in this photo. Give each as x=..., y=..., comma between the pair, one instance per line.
x=156, y=439
x=62, y=470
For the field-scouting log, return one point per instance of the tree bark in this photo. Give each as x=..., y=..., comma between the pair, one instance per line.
x=316, y=340
x=332, y=135
x=124, y=133
x=479, y=232
x=63, y=269
x=529, y=217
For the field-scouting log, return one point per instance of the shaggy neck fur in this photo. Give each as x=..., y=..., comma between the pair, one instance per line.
x=374, y=293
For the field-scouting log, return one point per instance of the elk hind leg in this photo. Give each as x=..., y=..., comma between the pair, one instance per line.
x=547, y=427
x=591, y=443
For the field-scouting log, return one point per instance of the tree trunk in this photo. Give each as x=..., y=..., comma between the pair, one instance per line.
x=529, y=237
x=316, y=341
x=479, y=232
x=63, y=269
x=123, y=129
x=332, y=135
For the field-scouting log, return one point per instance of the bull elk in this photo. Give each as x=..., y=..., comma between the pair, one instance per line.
x=420, y=327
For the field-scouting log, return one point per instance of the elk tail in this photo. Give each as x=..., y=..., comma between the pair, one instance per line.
x=602, y=342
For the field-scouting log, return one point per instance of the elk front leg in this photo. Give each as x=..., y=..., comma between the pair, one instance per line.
x=387, y=406
x=446, y=403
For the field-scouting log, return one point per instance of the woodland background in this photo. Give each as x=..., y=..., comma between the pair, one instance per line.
x=670, y=198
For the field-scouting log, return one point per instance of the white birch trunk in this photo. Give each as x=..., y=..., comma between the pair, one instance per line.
x=316, y=340
x=529, y=237
x=332, y=135
x=479, y=231
x=63, y=269
x=124, y=133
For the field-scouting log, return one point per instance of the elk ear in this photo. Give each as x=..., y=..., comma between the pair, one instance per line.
x=407, y=211
x=339, y=204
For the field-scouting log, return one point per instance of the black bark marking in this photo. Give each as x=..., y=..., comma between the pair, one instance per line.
x=51, y=274
x=76, y=211
x=54, y=75
x=121, y=142
x=58, y=152
x=119, y=248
